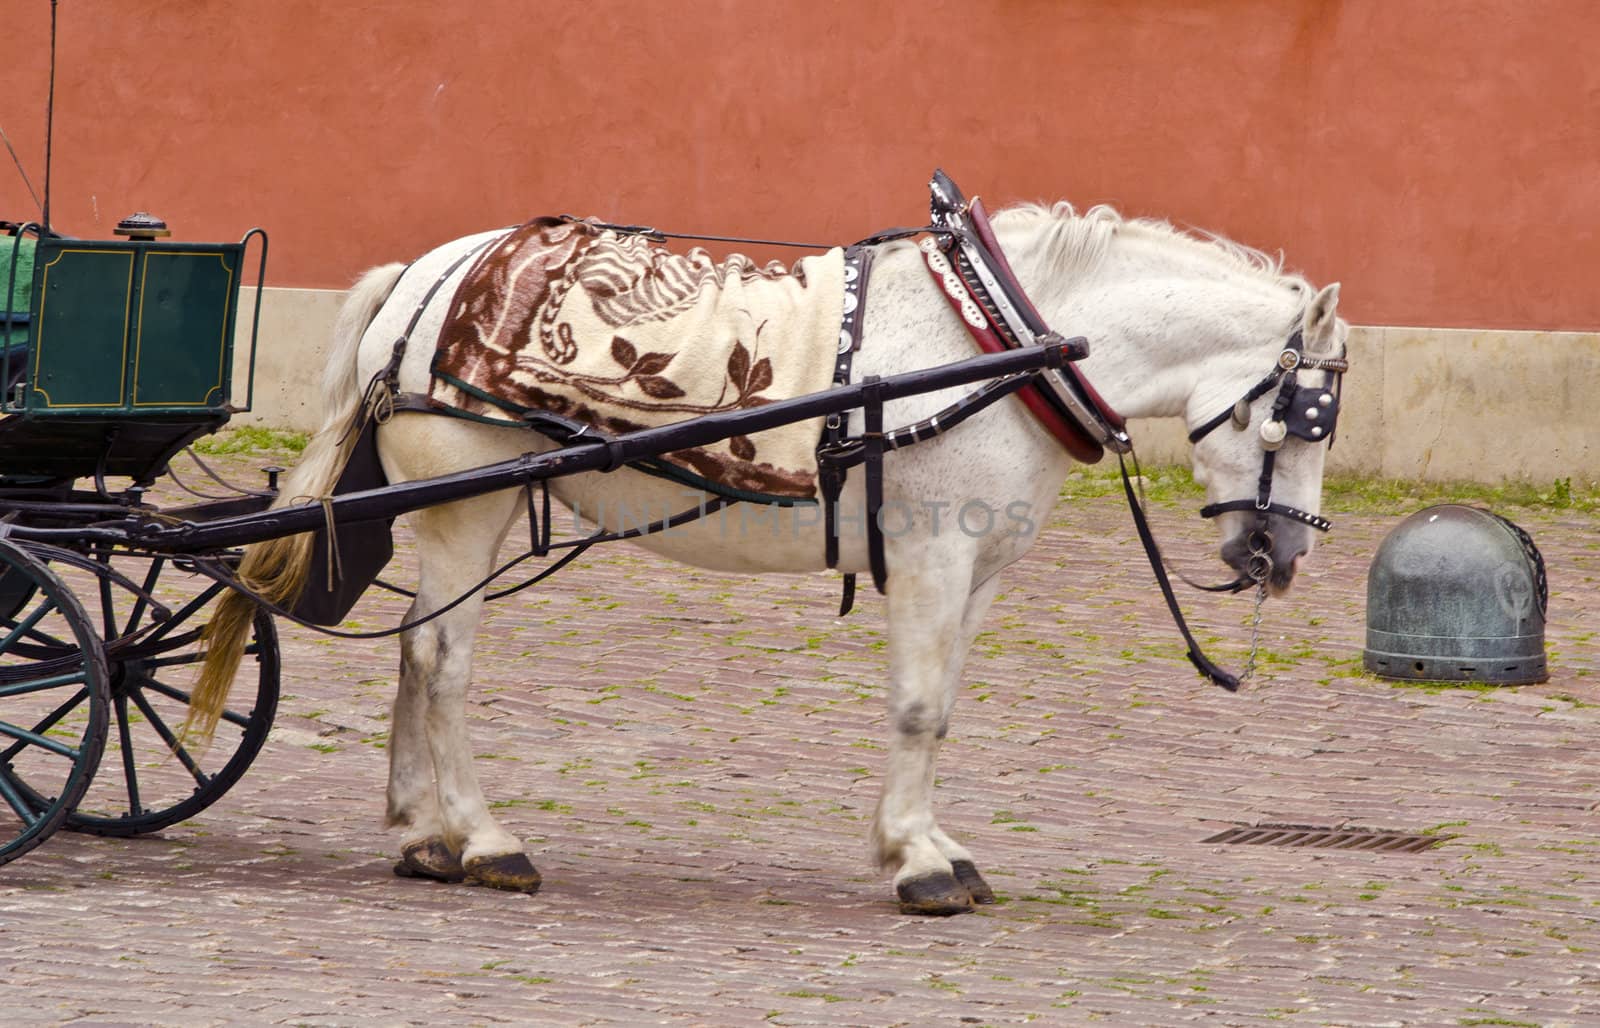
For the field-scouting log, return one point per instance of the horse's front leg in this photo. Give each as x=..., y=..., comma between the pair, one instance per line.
x=434, y=793
x=933, y=618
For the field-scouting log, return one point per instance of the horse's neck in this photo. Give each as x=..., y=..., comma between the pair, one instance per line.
x=1170, y=332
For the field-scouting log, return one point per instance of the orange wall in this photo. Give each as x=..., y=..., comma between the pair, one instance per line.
x=1440, y=157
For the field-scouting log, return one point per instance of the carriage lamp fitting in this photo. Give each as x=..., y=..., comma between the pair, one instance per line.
x=142, y=227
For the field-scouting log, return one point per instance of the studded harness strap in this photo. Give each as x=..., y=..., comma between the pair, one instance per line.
x=830, y=469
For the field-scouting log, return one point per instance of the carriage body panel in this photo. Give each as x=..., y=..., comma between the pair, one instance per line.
x=123, y=355
x=130, y=328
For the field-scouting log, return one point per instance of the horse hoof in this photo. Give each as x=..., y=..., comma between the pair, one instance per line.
x=431, y=859
x=935, y=894
x=967, y=874
x=512, y=872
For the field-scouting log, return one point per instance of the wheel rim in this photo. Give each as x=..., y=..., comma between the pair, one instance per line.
x=54, y=704
x=150, y=778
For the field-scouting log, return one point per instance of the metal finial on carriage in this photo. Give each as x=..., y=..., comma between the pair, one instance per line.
x=142, y=226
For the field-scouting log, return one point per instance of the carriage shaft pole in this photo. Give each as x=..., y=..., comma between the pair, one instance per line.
x=391, y=500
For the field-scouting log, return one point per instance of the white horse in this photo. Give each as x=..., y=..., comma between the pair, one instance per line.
x=1178, y=325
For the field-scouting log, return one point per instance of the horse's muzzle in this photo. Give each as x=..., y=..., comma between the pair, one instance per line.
x=1276, y=556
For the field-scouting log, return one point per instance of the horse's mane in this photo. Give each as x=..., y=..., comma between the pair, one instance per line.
x=1070, y=244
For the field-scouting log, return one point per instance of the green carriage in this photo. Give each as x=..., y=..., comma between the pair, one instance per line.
x=115, y=355
x=121, y=355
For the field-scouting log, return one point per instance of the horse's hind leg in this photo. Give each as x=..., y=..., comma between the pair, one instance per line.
x=932, y=621
x=433, y=790
x=413, y=804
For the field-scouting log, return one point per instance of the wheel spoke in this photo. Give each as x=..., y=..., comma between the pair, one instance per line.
x=142, y=601
x=180, y=616
x=35, y=739
x=135, y=648
x=25, y=626
x=41, y=684
x=37, y=640
x=130, y=771
x=13, y=798
x=174, y=693
x=45, y=725
x=108, y=610
x=167, y=736
x=192, y=657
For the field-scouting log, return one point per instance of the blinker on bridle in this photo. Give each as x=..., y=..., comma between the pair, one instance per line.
x=1305, y=412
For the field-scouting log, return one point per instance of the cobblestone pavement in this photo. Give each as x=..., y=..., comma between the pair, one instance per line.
x=693, y=759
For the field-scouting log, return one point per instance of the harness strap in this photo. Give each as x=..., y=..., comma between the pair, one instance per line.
x=872, y=440
x=383, y=389
x=831, y=473
x=1305, y=517
x=976, y=276
x=1255, y=393
x=974, y=319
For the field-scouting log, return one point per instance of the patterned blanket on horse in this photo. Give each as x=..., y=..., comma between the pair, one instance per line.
x=607, y=329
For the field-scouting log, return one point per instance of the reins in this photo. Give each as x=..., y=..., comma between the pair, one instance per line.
x=1147, y=539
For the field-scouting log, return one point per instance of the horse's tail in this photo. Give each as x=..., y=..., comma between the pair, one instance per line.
x=277, y=569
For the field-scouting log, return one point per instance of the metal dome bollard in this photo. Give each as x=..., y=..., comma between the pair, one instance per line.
x=1457, y=594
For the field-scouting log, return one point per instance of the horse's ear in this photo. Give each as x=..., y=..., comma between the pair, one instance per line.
x=1321, y=318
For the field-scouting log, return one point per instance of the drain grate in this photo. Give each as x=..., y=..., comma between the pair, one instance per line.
x=1369, y=840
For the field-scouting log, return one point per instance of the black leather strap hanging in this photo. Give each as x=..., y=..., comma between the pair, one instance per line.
x=872, y=440
x=831, y=473
x=1201, y=662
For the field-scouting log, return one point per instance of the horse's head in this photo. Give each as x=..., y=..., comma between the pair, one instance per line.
x=1261, y=458
x=1201, y=326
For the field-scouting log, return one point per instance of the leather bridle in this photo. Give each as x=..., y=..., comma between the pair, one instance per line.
x=1305, y=412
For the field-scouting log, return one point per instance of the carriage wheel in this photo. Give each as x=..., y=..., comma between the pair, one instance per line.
x=54, y=702
x=149, y=778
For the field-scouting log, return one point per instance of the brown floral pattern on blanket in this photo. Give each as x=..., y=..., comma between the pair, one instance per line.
x=563, y=316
